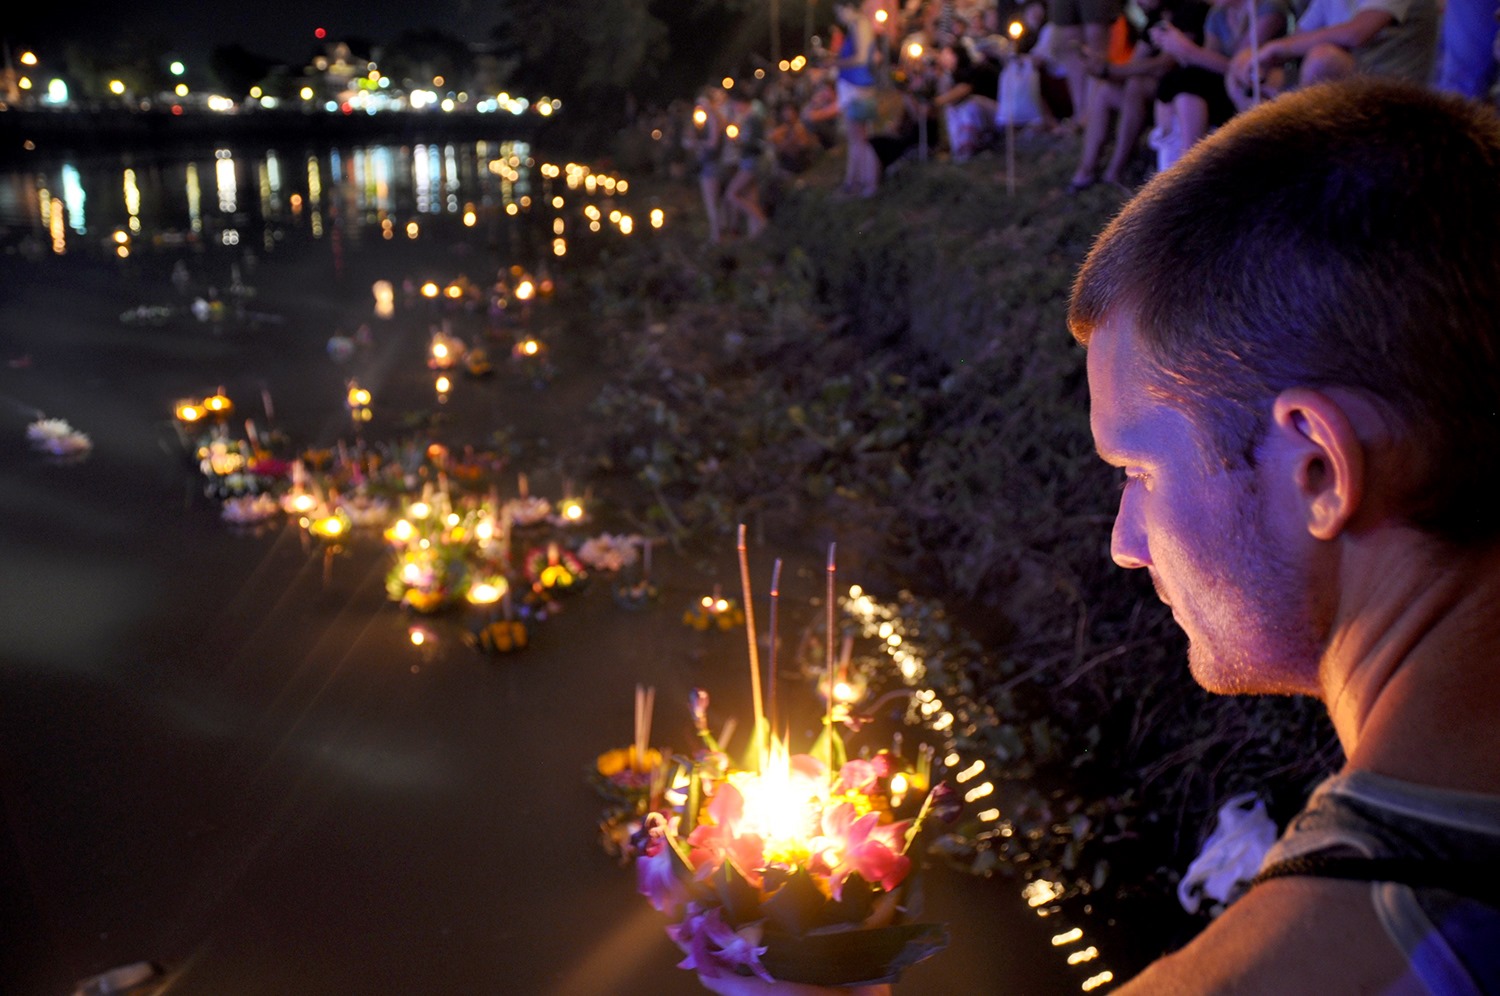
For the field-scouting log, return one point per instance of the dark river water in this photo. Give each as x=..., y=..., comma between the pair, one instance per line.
x=223, y=754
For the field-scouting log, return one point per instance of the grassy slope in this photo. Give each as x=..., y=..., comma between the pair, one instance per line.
x=895, y=374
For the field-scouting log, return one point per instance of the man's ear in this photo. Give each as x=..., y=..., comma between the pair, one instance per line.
x=1326, y=458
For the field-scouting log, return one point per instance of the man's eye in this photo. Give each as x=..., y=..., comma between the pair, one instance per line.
x=1133, y=477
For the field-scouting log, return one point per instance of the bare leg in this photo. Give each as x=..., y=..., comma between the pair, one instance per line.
x=1069, y=55
x=1095, y=46
x=1104, y=97
x=744, y=194
x=709, y=185
x=1163, y=135
x=1134, y=103
x=1192, y=122
x=862, y=168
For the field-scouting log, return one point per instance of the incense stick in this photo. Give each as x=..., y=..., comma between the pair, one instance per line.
x=771, y=717
x=759, y=705
x=832, y=569
x=645, y=705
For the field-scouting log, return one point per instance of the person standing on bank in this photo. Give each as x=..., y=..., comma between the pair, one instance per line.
x=855, y=62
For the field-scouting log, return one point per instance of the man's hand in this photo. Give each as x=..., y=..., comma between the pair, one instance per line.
x=748, y=985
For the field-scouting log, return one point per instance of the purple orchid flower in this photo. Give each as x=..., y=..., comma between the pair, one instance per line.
x=656, y=876
x=714, y=948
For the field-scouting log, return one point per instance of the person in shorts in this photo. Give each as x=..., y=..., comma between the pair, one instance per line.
x=1080, y=31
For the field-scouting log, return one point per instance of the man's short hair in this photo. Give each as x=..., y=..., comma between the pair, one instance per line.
x=1345, y=235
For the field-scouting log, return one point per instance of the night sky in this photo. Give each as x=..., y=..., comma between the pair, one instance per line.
x=279, y=28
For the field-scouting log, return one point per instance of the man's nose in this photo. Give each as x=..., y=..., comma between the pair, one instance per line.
x=1127, y=543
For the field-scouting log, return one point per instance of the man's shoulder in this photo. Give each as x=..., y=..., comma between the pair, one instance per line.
x=1278, y=938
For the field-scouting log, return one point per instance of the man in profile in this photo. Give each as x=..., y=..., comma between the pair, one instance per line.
x=1294, y=357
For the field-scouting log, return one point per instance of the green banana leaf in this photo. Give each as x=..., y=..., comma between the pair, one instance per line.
x=851, y=957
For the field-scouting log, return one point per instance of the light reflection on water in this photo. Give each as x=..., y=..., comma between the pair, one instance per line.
x=240, y=192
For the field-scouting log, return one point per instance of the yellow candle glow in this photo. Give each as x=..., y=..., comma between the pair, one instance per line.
x=781, y=805
x=487, y=592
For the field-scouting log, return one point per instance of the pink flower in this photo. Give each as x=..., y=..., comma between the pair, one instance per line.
x=808, y=767
x=858, y=776
x=863, y=845
x=711, y=844
x=713, y=947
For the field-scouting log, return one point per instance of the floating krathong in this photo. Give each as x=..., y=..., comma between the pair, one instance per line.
x=634, y=780
x=610, y=552
x=794, y=868
x=714, y=611
x=364, y=511
x=554, y=569
x=528, y=510
x=249, y=509
x=503, y=636
x=57, y=437
x=444, y=350
x=426, y=578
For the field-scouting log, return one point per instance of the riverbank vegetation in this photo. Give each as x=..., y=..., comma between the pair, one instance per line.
x=895, y=374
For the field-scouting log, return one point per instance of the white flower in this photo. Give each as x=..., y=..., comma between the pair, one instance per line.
x=56, y=436
x=250, y=508
x=1232, y=854
x=366, y=511
x=608, y=552
x=44, y=430
x=528, y=510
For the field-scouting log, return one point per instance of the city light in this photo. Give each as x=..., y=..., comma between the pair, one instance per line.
x=177, y=68
x=28, y=58
x=116, y=87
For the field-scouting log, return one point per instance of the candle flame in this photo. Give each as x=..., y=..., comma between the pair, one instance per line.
x=781, y=805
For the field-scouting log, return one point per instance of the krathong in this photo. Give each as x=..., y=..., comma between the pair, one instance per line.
x=444, y=350
x=502, y=636
x=57, y=437
x=795, y=867
x=633, y=781
x=610, y=552
x=714, y=611
x=249, y=509
x=554, y=568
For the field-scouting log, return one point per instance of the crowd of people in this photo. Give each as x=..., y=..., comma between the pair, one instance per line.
x=1134, y=83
